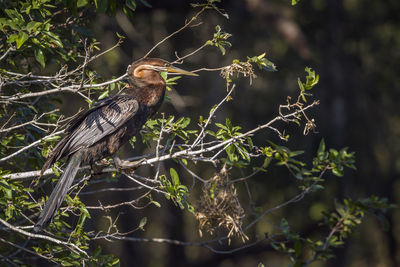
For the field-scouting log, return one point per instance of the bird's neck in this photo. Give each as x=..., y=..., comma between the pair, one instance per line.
x=150, y=95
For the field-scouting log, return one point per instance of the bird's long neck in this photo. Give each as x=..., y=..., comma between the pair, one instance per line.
x=150, y=95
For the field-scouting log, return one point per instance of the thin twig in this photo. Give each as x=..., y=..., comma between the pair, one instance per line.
x=296, y=198
x=25, y=249
x=175, y=32
x=32, y=122
x=10, y=49
x=211, y=115
x=205, y=244
x=180, y=59
x=29, y=146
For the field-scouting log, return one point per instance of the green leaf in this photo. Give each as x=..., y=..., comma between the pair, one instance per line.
x=155, y=203
x=185, y=122
x=142, y=223
x=55, y=171
x=103, y=95
x=262, y=62
x=321, y=148
x=164, y=75
x=82, y=3
x=174, y=177
x=296, y=153
x=22, y=37
x=222, y=49
x=85, y=211
x=40, y=57
x=131, y=4
x=12, y=38
x=172, y=80
x=294, y=2
x=33, y=25
x=338, y=172
x=14, y=14
x=55, y=39
x=221, y=126
x=301, y=86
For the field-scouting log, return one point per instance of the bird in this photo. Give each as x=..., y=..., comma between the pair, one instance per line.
x=101, y=131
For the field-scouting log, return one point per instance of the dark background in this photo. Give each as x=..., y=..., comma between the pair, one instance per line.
x=354, y=45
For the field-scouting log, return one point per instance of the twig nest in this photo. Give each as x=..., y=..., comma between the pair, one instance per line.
x=219, y=207
x=244, y=68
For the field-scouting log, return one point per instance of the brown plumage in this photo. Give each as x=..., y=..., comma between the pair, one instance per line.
x=102, y=130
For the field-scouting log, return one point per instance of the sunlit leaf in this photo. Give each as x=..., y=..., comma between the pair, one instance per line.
x=39, y=56
x=22, y=37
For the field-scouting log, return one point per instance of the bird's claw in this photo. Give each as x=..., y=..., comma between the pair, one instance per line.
x=126, y=165
x=98, y=166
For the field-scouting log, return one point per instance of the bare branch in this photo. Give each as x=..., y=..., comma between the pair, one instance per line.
x=72, y=88
x=33, y=122
x=10, y=49
x=186, y=153
x=112, y=189
x=70, y=246
x=205, y=244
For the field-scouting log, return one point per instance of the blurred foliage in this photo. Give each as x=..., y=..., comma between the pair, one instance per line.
x=341, y=224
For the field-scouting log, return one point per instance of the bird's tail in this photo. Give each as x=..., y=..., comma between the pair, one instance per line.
x=59, y=192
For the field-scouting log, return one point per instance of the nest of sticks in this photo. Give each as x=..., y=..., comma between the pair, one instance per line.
x=219, y=207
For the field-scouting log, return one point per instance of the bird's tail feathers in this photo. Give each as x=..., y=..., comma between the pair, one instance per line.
x=59, y=192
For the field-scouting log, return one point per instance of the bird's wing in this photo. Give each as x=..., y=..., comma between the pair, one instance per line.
x=99, y=122
x=60, y=150
x=80, y=117
x=90, y=126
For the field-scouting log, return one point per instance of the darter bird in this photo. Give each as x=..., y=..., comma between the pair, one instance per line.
x=103, y=129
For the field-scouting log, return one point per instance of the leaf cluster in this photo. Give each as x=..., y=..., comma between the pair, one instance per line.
x=237, y=152
x=220, y=40
x=174, y=128
x=175, y=191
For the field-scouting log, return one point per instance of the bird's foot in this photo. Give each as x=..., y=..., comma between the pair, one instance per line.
x=126, y=165
x=98, y=166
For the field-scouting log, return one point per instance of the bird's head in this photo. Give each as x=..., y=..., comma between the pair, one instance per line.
x=147, y=71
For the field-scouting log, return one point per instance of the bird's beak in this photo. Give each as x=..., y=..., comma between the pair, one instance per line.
x=172, y=69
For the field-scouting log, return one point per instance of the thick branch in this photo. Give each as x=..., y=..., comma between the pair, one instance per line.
x=186, y=153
